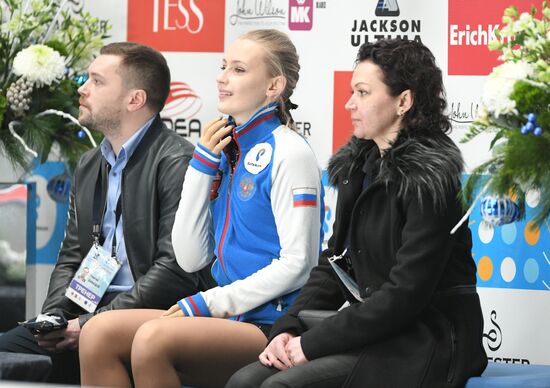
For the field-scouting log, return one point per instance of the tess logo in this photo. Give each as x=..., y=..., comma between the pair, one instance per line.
x=300, y=15
x=341, y=121
x=472, y=26
x=177, y=25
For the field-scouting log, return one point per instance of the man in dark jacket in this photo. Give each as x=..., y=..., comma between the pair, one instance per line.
x=129, y=187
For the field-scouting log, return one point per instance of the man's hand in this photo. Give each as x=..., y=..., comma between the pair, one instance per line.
x=173, y=312
x=295, y=352
x=60, y=340
x=275, y=353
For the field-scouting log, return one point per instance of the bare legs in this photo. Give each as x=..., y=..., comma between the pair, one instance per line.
x=205, y=351
x=200, y=351
x=105, y=346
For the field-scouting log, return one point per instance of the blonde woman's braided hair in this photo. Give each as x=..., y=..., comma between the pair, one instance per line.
x=281, y=60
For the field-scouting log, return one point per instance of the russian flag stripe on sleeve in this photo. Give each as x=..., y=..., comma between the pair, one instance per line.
x=194, y=306
x=203, y=151
x=304, y=196
x=184, y=306
x=205, y=161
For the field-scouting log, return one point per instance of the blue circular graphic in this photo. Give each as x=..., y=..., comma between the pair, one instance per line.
x=509, y=232
x=531, y=270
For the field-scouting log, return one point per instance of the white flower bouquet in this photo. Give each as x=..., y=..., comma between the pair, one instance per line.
x=39, y=64
x=45, y=47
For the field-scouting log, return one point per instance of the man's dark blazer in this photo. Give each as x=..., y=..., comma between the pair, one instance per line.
x=150, y=193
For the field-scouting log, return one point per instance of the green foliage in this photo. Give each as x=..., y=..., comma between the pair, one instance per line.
x=520, y=162
x=530, y=98
x=77, y=37
x=523, y=37
x=3, y=107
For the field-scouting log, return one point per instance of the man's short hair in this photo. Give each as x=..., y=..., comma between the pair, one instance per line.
x=143, y=67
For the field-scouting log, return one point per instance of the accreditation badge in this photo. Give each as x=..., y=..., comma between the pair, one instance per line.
x=90, y=282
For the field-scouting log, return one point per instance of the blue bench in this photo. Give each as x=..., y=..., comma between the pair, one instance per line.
x=498, y=375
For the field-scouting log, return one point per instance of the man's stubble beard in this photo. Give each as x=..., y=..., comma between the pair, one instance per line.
x=107, y=123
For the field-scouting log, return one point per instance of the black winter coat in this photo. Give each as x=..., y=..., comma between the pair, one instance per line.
x=421, y=323
x=150, y=193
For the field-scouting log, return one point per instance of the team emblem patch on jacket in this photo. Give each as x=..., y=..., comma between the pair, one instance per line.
x=247, y=188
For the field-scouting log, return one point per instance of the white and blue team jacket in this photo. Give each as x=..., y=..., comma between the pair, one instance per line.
x=264, y=228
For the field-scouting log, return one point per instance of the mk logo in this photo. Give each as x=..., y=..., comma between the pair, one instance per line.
x=300, y=15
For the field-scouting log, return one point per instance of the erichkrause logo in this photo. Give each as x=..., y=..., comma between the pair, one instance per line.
x=387, y=8
x=177, y=25
x=341, y=120
x=300, y=16
x=385, y=25
x=472, y=25
x=182, y=105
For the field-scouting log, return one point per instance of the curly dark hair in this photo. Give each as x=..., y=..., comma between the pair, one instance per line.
x=411, y=65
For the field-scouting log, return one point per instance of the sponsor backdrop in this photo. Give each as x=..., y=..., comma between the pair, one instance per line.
x=513, y=261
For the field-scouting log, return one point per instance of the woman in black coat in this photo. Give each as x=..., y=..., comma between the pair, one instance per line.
x=414, y=318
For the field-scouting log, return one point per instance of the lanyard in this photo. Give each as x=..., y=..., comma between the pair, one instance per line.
x=347, y=280
x=97, y=216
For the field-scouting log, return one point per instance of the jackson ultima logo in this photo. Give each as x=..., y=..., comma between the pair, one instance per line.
x=177, y=25
x=382, y=27
x=472, y=26
x=387, y=8
x=180, y=110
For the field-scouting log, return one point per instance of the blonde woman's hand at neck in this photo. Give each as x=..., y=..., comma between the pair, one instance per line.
x=217, y=135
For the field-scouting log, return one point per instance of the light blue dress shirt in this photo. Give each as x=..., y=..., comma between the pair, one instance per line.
x=123, y=280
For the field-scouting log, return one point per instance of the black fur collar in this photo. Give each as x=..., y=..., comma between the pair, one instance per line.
x=420, y=166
